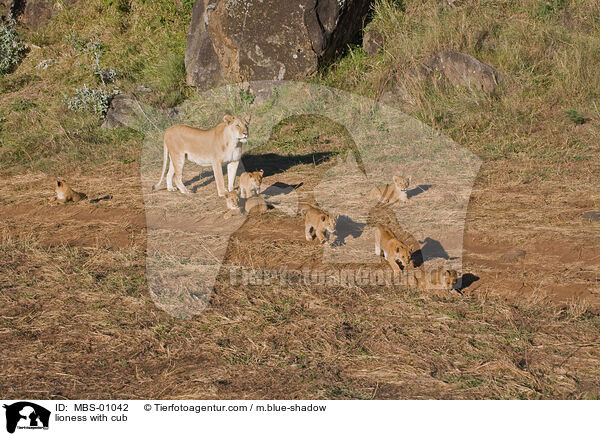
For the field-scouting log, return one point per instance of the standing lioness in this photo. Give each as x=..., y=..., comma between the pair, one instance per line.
x=214, y=147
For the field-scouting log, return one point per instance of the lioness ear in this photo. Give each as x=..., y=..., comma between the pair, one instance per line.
x=323, y=217
x=396, y=179
x=228, y=119
x=58, y=183
x=247, y=119
x=262, y=172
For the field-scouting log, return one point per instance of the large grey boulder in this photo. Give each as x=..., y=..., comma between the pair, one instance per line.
x=235, y=40
x=37, y=13
x=464, y=70
x=32, y=13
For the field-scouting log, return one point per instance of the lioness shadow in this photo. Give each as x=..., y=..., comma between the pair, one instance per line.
x=417, y=190
x=272, y=163
x=279, y=188
x=346, y=226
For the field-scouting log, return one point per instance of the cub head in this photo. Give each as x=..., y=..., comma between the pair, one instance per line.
x=61, y=186
x=233, y=200
x=328, y=223
x=238, y=127
x=255, y=180
x=402, y=254
x=450, y=277
x=401, y=182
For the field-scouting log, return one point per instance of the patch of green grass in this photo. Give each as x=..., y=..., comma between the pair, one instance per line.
x=575, y=117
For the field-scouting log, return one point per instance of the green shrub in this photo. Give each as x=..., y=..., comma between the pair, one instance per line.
x=12, y=50
x=88, y=99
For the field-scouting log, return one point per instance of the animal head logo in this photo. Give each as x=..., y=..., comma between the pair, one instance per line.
x=26, y=415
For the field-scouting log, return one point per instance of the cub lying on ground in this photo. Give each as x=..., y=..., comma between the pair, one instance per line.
x=393, y=250
x=255, y=205
x=65, y=194
x=316, y=223
x=251, y=205
x=389, y=194
x=444, y=279
x=250, y=183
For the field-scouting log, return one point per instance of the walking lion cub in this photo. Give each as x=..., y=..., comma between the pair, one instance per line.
x=438, y=279
x=393, y=250
x=250, y=183
x=317, y=223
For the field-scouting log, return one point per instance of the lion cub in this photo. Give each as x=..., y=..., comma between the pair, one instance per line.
x=255, y=205
x=392, y=193
x=444, y=279
x=316, y=223
x=392, y=248
x=65, y=194
x=232, y=199
x=250, y=183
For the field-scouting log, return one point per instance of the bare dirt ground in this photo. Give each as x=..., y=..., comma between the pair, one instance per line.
x=77, y=320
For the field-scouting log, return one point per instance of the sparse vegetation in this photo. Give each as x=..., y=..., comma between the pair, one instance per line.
x=12, y=50
x=519, y=332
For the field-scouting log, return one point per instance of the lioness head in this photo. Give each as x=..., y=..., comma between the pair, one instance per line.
x=401, y=182
x=238, y=127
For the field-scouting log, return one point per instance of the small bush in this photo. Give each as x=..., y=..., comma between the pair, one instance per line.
x=88, y=99
x=575, y=117
x=12, y=50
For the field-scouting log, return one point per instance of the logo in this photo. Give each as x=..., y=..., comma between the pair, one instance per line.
x=26, y=415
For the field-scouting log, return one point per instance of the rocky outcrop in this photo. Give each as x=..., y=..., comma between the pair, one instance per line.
x=464, y=70
x=126, y=111
x=5, y=6
x=32, y=13
x=235, y=40
x=37, y=13
x=120, y=112
x=372, y=41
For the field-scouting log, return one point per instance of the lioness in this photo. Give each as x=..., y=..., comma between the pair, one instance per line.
x=390, y=194
x=318, y=222
x=222, y=144
x=392, y=248
x=250, y=183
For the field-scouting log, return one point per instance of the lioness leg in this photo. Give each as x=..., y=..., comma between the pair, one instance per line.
x=218, y=171
x=231, y=172
x=178, y=166
x=170, y=175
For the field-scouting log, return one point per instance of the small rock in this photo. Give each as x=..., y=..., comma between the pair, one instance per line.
x=513, y=255
x=591, y=216
x=120, y=113
x=464, y=70
x=372, y=41
x=107, y=75
x=142, y=88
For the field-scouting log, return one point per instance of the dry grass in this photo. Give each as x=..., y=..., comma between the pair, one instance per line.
x=76, y=317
